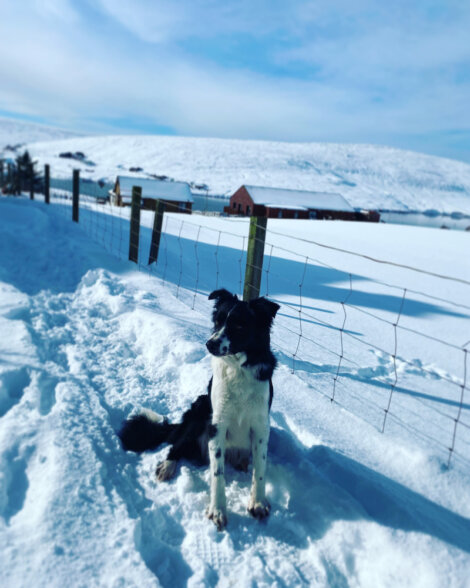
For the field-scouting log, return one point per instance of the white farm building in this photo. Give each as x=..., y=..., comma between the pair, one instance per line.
x=176, y=196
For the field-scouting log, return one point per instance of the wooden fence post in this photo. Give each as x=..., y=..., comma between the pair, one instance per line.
x=31, y=181
x=254, y=257
x=47, y=183
x=15, y=179
x=135, y=224
x=75, y=194
x=157, y=231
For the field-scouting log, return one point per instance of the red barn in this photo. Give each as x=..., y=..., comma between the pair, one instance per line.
x=284, y=203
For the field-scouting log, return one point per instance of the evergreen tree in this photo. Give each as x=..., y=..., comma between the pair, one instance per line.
x=25, y=168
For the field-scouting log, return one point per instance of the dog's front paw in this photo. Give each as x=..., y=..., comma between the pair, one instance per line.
x=259, y=509
x=165, y=470
x=217, y=516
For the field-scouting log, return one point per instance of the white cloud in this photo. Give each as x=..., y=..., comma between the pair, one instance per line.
x=372, y=82
x=58, y=10
x=159, y=21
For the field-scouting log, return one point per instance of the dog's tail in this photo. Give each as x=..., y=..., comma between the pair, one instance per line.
x=145, y=431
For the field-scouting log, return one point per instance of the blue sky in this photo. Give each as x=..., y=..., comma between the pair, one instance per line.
x=394, y=73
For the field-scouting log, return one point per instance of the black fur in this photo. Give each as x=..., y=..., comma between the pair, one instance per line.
x=189, y=439
x=139, y=433
x=247, y=326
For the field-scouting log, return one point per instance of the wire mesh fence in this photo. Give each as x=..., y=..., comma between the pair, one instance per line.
x=385, y=362
x=381, y=339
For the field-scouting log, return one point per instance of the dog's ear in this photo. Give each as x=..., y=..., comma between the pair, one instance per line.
x=222, y=295
x=265, y=309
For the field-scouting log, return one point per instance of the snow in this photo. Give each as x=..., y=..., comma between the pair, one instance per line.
x=300, y=199
x=367, y=176
x=174, y=191
x=87, y=339
x=13, y=132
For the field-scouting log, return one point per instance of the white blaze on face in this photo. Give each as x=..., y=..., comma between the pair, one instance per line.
x=223, y=341
x=224, y=345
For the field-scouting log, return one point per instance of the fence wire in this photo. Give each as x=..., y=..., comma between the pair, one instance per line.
x=383, y=365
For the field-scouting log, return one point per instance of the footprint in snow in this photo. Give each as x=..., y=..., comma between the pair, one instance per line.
x=12, y=387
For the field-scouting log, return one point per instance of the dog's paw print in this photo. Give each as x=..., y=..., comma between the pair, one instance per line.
x=218, y=517
x=259, y=509
x=165, y=470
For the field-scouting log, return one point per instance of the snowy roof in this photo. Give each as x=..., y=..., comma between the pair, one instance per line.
x=297, y=199
x=286, y=206
x=175, y=191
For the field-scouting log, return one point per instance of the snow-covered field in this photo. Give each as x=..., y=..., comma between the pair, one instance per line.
x=13, y=132
x=86, y=339
x=367, y=176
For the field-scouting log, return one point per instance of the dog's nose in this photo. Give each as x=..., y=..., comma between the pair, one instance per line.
x=212, y=346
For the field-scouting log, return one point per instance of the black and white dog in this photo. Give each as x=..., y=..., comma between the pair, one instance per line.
x=231, y=421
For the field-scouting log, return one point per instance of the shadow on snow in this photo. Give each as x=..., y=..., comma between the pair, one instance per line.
x=322, y=486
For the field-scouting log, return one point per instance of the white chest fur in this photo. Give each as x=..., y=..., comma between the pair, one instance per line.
x=240, y=413
x=239, y=400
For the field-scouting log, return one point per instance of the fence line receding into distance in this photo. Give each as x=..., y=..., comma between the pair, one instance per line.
x=363, y=343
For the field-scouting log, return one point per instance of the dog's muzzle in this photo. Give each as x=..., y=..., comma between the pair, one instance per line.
x=218, y=346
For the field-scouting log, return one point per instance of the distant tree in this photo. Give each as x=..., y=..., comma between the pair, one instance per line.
x=25, y=167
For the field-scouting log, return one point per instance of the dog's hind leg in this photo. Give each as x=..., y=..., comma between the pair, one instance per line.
x=185, y=446
x=188, y=440
x=166, y=470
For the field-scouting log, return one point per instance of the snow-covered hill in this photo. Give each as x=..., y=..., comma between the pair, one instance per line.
x=368, y=176
x=14, y=132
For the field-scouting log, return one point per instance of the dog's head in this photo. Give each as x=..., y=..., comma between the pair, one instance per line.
x=239, y=326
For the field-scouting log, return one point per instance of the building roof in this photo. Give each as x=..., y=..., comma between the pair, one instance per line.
x=298, y=199
x=286, y=206
x=174, y=191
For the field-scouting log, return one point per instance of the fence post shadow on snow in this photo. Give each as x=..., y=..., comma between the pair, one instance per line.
x=178, y=249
